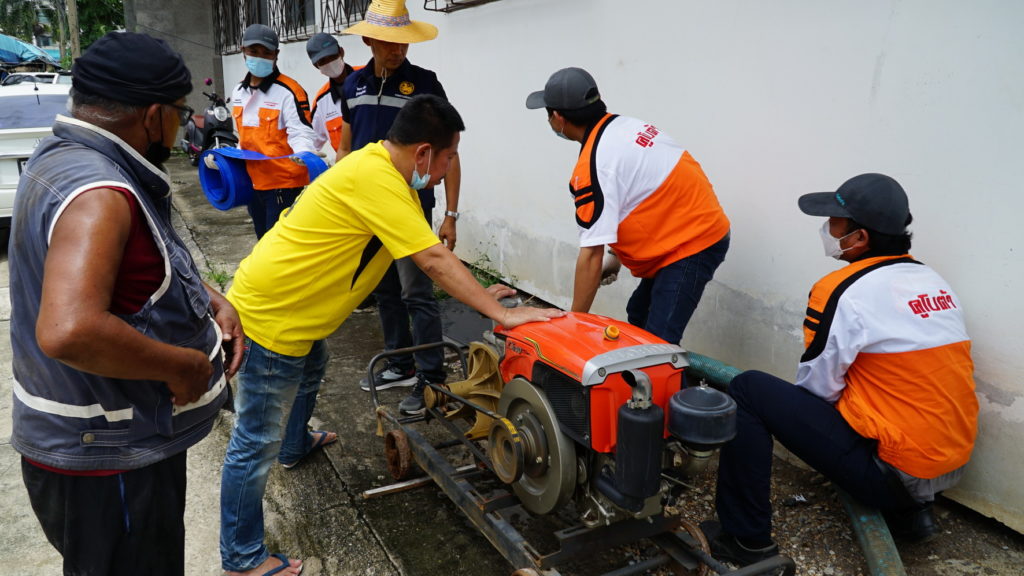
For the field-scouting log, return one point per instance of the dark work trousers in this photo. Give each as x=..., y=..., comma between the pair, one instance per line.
x=664, y=303
x=265, y=207
x=810, y=428
x=127, y=524
x=407, y=293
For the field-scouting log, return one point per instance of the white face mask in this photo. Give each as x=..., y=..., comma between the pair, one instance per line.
x=831, y=243
x=332, y=69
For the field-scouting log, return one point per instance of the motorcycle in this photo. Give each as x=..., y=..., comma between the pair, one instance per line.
x=214, y=129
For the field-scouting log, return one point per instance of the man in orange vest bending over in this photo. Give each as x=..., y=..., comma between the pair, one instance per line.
x=884, y=402
x=642, y=194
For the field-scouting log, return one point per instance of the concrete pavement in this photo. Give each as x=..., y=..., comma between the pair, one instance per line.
x=316, y=511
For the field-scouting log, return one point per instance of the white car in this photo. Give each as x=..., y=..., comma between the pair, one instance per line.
x=27, y=112
x=15, y=78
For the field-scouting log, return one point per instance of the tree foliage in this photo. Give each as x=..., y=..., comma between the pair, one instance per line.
x=18, y=18
x=95, y=18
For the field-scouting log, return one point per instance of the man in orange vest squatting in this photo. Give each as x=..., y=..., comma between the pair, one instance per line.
x=371, y=99
x=329, y=58
x=271, y=114
x=884, y=402
x=641, y=193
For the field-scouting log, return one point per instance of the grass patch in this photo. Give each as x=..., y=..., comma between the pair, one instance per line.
x=486, y=273
x=218, y=277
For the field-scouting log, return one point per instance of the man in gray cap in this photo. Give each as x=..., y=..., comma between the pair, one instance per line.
x=271, y=114
x=329, y=58
x=117, y=342
x=884, y=402
x=642, y=194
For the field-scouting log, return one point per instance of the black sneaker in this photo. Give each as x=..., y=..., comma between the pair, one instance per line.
x=726, y=548
x=915, y=526
x=390, y=377
x=413, y=404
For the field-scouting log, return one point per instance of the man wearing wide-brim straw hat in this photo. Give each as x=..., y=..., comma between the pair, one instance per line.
x=371, y=98
x=388, y=20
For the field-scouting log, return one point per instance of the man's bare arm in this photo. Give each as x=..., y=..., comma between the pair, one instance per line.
x=451, y=274
x=588, y=277
x=75, y=325
x=225, y=315
x=345, y=144
x=452, y=185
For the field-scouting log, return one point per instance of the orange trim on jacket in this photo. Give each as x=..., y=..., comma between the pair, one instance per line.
x=270, y=137
x=916, y=405
x=333, y=125
x=680, y=218
x=919, y=404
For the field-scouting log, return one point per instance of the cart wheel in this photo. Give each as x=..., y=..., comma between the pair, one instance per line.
x=702, y=542
x=396, y=450
x=526, y=572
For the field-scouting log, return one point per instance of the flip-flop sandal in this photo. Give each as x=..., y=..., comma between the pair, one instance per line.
x=323, y=438
x=284, y=565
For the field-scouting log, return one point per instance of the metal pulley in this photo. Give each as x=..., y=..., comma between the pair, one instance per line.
x=528, y=451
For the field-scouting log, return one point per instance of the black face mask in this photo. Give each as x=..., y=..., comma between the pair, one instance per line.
x=156, y=152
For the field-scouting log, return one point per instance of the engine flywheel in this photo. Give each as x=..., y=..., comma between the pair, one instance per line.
x=547, y=479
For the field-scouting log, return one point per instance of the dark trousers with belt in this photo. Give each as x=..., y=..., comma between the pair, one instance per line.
x=129, y=523
x=813, y=430
x=410, y=315
x=265, y=207
x=664, y=303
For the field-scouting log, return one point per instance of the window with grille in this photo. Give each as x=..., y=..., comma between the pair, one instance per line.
x=292, y=19
x=451, y=5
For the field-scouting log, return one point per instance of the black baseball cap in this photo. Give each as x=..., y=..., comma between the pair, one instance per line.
x=567, y=89
x=874, y=201
x=260, y=34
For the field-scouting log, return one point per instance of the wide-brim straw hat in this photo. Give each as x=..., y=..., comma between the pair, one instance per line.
x=388, y=20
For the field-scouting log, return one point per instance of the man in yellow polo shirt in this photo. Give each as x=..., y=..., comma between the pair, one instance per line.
x=301, y=281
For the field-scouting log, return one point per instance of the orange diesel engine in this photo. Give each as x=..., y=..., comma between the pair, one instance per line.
x=599, y=411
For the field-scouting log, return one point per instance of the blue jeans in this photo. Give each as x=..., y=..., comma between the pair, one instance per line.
x=265, y=207
x=768, y=407
x=663, y=305
x=404, y=292
x=265, y=382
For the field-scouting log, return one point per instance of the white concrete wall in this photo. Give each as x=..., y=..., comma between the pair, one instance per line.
x=775, y=99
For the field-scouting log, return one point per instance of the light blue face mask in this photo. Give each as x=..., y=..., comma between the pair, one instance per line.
x=420, y=182
x=259, y=67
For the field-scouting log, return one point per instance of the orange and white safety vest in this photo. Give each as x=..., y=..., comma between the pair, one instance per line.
x=273, y=119
x=643, y=194
x=885, y=341
x=327, y=118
